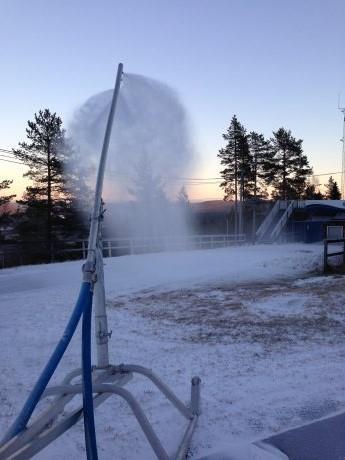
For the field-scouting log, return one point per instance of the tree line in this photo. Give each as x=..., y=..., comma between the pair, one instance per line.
x=255, y=168
x=54, y=207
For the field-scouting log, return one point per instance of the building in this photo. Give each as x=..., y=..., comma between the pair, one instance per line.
x=303, y=220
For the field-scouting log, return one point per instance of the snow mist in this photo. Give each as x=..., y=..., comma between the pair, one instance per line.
x=149, y=153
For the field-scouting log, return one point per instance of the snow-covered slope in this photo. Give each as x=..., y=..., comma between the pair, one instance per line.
x=133, y=273
x=163, y=310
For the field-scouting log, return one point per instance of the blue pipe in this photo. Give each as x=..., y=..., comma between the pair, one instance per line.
x=89, y=419
x=84, y=301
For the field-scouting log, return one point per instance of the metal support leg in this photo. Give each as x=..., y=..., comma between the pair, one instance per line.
x=47, y=427
x=195, y=395
x=185, y=443
x=185, y=411
x=45, y=419
x=191, y=413
x=132, y=402
x=195, y=407
x=101, y=322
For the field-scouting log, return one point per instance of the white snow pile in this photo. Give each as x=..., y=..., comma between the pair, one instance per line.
x=267, y=343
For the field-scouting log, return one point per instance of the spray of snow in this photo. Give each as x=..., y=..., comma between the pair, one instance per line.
x=150, y=150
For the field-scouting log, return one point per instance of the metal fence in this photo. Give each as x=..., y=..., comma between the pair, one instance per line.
x=113, y=247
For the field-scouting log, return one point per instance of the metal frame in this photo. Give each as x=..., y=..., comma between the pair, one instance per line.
x=53, y=422
x=106, y=379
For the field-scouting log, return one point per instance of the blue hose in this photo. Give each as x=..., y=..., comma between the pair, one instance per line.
x=89, y=419
x=84, y=301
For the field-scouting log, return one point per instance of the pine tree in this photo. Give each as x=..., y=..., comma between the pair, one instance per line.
x=237, y=177
x=5, y=199
x=311, y=193
x=332, y=190
x=147, y=187
x=48, y=203
x=182, y=197
x=289, y=167
x=238, y=183
x=183, y=214
x=151, y=204
x=78, y=195
x=261, y=160
x=5, y=213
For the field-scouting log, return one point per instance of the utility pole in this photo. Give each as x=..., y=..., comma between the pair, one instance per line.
x=240, y=230
x=242, y=147
x=342, y=110
x=236, y=188
x=255, y=202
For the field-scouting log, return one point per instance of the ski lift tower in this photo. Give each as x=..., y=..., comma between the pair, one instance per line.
x=342, y=110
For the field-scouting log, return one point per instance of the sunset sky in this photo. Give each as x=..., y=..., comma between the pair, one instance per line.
x=272, y=63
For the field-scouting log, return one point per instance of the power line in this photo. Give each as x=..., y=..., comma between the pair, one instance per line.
x=197, y=178
x=6, y=151
x=326, y=174
x=12, y=161
x=5, y=155
x=190, y=180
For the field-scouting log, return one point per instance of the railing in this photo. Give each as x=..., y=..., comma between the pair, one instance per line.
x=267, y=221
x=284, y=218
x=23, y=253
x=327, y=254
x=139, y=245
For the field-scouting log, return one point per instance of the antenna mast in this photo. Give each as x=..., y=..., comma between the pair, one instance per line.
x=342, y=110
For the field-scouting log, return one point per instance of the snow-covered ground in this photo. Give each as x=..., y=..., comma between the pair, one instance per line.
x=258, y=324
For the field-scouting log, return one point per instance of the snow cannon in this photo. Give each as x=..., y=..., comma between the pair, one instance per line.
x=96, y=383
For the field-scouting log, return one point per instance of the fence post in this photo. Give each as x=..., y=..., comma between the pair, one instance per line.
x=325, y=247
x=83, y=248
x=109, y=248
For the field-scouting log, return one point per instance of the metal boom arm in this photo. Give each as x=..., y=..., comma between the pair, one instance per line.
x=100, y=175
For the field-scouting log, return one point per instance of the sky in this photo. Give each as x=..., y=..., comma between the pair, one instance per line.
x=272, y=63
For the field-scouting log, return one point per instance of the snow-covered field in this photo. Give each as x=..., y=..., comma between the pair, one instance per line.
x=258, y=324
